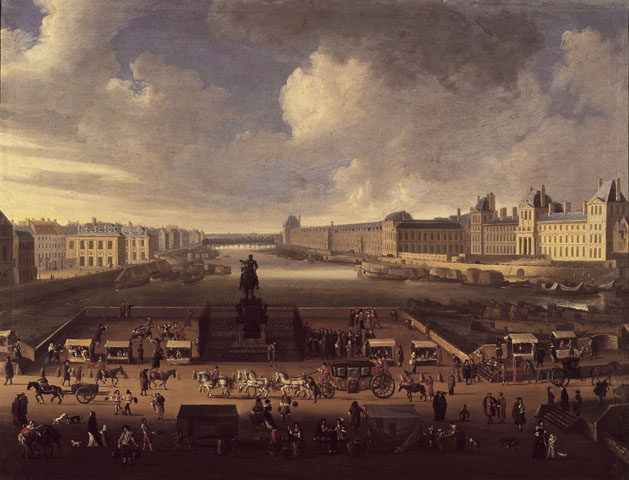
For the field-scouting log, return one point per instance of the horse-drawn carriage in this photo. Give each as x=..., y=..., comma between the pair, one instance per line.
x=354, y=376
x=570, y=369
x=86, y=392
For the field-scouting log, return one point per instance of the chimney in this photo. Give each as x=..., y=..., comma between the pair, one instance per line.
x=130, y=224
x=550, y=208
x=492, y=201
x=48, y=219
x=566, y=208
x=618, y=189
x=458, y=215
x=530, y=189
x=584, y=207
x=93, y=220
x=477, y=198
x=599, y=182
x=542, y=196
x=42, y=219
x=503, y=212
x=299, y=218
x=331, y=223
x=514, y=212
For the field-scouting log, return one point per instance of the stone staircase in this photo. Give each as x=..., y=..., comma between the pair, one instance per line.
x=484, y=372
x=561, y=418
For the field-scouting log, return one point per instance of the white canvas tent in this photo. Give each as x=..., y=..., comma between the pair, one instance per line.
x=393, y=427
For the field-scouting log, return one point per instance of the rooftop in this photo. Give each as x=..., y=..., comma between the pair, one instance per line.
x=563, y=217
x=503, y=220
x=534, y=200
x=607, y=192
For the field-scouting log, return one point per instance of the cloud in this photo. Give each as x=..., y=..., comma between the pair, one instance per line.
x=399, y=39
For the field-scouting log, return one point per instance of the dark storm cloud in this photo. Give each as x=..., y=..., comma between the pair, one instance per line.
x=400, y=40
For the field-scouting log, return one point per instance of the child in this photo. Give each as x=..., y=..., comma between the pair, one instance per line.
x=116, y=397
x=464, y=414
x=285, y=407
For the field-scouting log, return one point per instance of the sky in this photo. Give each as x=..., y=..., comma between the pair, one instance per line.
x=230, y=115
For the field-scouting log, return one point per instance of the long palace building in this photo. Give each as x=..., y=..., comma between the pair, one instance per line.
x=538, y=227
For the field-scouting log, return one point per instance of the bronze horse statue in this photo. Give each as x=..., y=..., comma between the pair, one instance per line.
x=248, y=280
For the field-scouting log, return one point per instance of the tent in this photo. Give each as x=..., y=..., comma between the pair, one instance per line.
x=201, y=421
x=119, y=350
x=393, y=427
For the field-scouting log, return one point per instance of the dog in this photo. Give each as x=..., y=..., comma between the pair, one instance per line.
x=75, y=443
x=509, y=443
x=68, y=419
x=474, y=444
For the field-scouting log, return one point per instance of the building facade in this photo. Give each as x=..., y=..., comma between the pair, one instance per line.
x=97, y=244
x=50, y=243
x=6, y=251
x=24, y=268
x=139, y=243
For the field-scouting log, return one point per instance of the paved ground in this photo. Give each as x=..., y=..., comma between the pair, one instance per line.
x=585, y=459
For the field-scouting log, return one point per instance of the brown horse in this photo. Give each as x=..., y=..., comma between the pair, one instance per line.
x=162, y=377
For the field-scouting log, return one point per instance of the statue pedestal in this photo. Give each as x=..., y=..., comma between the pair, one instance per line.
x=252, y=320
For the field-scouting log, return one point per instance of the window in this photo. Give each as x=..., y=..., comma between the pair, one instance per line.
x=82, y=261
x=100, y=244
x=91, y=244
x=100, y=261
x=90, y=261
x=109, y=245
x=110, y=261
x=82, y=244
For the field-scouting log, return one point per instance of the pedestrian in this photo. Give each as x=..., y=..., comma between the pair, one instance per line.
x=296, y=437
x=127, y=445
x=459, y=436
x=65, y=373
x=498, y=349
x=104, y=437
x=578, y=403
x=467, y=372
x=553, y=352
x=8, y=372
x=16, y=411
x=503, y=372
x=474, y=371
x=128, y=399
x=550, y=396
x=93, y=434
x=600, y=390
x=322, y=436
x=400, y=356
x=501, y=404
x=78, y=374
x=156, y=359
x=464, y=414
x=429, y=387
x=593, y=349
x=341, y=435
x=117, y=399
x=272, y=354
x=435, y=406
x=540, y=443
x=439, y=356
x=158, y=405
x=540, y=354
x=314, y=388
x=284, y=407
x=23, y=410
x=100, y=365
x=354, y=414
x=144, y=382
x=489, y=407
x=451, y=383
x=529, y=370
x=187, y=323
x=147, y=435
x=456, y=361
x=140, y=354
x=519, y=413
x=443, y=406
x=564, y=401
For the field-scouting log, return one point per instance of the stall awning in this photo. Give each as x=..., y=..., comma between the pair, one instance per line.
x=564, y=334
x=179, y=344
x=522, y=338
x=381, y=342
x=117, y=344
x=78, y=342
x=423, y=344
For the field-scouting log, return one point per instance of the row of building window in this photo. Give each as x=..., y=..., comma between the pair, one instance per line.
x=500, y=237
x=422, y=248
x=428, y=236
x=568, y=252
x=504, y=249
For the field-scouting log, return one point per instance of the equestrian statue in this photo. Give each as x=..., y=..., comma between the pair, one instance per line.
x=249, y=277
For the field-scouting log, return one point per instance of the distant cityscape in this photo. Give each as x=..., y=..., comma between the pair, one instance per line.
x=33, y=247
x=538, y=228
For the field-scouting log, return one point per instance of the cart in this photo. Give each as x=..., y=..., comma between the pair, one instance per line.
x=354, y=376
x=561, y=376
x=85, y=392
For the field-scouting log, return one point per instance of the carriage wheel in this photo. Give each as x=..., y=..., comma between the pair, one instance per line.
x=560, y=379
x=327, y=390
x=383, y=385
x=84, y=395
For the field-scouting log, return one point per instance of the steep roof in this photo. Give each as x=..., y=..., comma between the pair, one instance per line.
x=292, y=221
x=503, y=220
x=22, y=231
x=354, y=226
x=607, y=193
x=3, y=218
x=429, y=225
x=482, y=205
x=47, y=228
x=534, y=199
x=465, y=219
x=399, y=216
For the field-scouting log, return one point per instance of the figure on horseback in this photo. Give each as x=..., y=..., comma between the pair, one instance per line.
x=249, y=277
x=411, y=386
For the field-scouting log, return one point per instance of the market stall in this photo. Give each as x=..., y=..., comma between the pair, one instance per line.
x=381, y=347
x=178, y=352
x=8, y=339
x=79, y=349
x=521, y=345
x=119, y=351
x=425, y=352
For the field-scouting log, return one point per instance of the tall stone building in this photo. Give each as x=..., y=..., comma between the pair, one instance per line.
x=480, y=214
x=140, y=243
x=50, y=243
x=97, y=244
x=6, y=251
x=24, y=268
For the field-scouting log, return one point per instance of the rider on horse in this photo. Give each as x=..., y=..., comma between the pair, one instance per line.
x=249, y=266
x=216, y=373
x=406, y=378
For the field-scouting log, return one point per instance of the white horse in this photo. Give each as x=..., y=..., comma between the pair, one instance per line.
x=206, y=384
x=248, y=379
x=298, y=385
